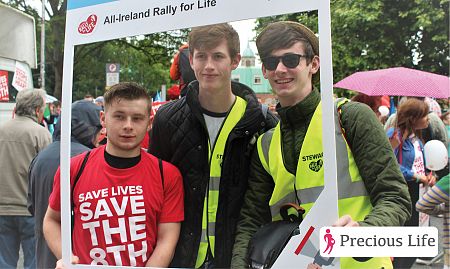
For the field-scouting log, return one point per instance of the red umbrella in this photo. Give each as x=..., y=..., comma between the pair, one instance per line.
x=397, y=81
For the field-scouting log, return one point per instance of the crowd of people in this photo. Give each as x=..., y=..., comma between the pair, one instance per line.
x=219, y=165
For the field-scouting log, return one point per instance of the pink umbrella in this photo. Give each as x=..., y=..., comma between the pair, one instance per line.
x=397, y=81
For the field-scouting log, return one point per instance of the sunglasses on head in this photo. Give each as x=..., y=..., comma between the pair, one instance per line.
x=290, y=60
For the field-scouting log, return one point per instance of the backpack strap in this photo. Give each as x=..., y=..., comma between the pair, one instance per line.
x=77, y=177
x=161, y=171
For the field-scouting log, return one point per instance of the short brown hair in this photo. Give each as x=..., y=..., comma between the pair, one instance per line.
x=283, y=35
x=409, y=112
x=210, y=36
x=127, y=91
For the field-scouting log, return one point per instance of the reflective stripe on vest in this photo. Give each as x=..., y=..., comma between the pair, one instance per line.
x=308, y=183
x=211, y=200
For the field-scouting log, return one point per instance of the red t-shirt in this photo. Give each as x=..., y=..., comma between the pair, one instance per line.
x=117, y=211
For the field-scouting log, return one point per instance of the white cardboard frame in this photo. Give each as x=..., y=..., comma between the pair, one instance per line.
x=79, y=11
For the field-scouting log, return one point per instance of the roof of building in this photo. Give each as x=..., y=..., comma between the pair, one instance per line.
x=248, y=52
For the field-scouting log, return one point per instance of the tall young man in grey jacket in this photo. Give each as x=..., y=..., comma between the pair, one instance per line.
x=21, y=138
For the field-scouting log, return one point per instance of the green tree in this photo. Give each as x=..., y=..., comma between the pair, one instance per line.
x=145, y=60
x=376, y=34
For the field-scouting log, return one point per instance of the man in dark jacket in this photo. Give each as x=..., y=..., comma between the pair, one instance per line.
x=209, y=135
x=85, y=128
x=288, y=165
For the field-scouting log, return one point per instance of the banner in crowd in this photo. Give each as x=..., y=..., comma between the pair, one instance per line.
x=4, y=92
x=21, y=79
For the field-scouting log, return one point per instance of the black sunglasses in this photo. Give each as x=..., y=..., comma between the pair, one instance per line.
x=290, y=60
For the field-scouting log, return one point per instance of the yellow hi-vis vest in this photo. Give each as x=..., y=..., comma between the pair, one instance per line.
x=308, y=182
x=211, y=201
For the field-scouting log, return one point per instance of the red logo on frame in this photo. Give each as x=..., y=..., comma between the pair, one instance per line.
x=87, y=26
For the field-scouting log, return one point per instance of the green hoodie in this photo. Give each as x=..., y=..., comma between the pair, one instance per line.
x=373, y=155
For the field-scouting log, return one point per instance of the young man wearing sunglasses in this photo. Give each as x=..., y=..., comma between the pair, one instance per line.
x=209, y=135
x=288, y=165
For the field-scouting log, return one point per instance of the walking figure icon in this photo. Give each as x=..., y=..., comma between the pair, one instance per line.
x=330, y=241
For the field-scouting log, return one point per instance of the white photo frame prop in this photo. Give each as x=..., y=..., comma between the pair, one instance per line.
x=90, y=21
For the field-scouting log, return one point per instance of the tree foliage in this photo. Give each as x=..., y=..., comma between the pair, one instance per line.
x=376, y=34
x=366, y=35
x=145, y=60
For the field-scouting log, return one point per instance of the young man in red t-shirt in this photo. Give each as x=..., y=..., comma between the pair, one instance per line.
x=125, y=212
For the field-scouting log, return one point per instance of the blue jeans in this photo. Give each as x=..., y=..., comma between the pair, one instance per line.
x=16, y=231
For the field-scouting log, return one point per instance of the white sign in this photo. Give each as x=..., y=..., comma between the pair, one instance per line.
x=112, y=74
x=379, y=241
x=91, y=21
x=21, y=79
x=112, y=79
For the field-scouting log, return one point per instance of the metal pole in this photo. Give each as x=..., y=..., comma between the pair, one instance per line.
x=42, y=73
x=163, y=92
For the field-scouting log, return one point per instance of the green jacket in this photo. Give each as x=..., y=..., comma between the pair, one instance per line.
x=373, y=155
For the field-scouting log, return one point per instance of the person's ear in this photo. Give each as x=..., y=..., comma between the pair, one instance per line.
x=264, y=71
x=149, y=126
x=102, y=119
x=235, y=61
x=191, y=60
x=315, y=64
x=39, y=113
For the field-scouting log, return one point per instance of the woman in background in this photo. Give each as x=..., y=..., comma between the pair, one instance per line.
x=405, y=138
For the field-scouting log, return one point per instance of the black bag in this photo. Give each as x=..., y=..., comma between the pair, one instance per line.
x=269, y=241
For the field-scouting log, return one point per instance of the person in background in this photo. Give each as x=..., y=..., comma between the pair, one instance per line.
x=57, y=108
x=446, y=120
x=89, y=97
x=412, y=117
x=51, y=115
x=181, y=69
x=434, y=202
x=281, y=169
x=433, y=105
x=140, y=206
x=100, y=101
x=209, y=135
x=85, y=130
x=374, y=102
x=173, y=93
x=21, y=138
x=435, y=131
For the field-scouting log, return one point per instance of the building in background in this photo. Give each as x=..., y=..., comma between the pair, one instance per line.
x=251, y=75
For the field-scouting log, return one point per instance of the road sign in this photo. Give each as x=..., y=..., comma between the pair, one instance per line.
x=112, y=74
